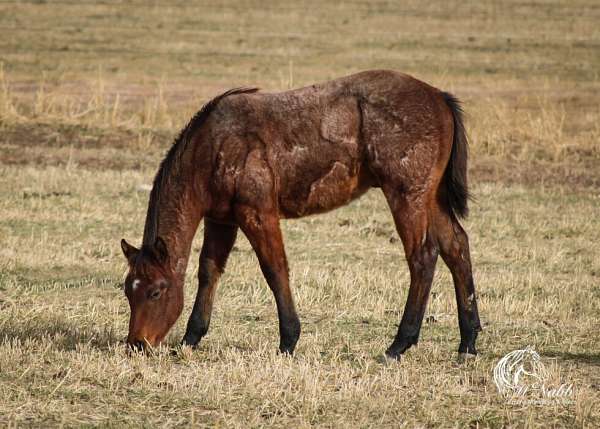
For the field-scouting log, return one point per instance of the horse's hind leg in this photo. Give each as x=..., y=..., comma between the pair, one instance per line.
x=411, y=219
x=454, y=248
x=218, y=242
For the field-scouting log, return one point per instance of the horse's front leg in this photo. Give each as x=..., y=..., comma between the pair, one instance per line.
x=264, y=234
x=218, y=242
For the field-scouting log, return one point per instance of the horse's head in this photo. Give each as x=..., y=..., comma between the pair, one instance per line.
x=154, y=297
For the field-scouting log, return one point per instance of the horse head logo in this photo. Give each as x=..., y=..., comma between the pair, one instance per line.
x=519, y=370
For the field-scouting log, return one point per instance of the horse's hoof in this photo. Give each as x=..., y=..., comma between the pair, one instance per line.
x=465, y=357
x=190, y=340
x=392, y=356
x=286, y=351
x=386, y=359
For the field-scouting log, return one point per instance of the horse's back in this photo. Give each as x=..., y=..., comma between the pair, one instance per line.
x=323, y=143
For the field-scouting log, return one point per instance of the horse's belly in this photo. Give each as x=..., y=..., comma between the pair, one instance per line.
x=334, y=189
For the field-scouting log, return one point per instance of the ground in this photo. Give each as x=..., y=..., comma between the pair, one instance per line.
x=92, y=95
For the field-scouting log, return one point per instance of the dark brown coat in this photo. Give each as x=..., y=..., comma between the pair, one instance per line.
x=248, y=159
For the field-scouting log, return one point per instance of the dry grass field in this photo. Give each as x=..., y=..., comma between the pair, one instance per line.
x=91, y=96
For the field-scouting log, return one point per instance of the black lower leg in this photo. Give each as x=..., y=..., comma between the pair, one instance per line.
x=454, y=245
x=408, y=335
x=289, y=333
x=422, y=268
x=289, y=323
x=199, y=320
x=468, y=320
x=218, y=242
x=194, y=332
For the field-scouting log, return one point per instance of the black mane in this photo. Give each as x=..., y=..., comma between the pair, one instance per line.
x=172, y=160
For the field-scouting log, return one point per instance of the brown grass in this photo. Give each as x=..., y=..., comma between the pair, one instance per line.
x=91, y=95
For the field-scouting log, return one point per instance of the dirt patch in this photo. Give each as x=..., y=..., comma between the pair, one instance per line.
x=77, y=136
x=585, y=174
x=122, y=149
x=91, y=148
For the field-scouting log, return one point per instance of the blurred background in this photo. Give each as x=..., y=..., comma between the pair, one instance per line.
x=527, y=71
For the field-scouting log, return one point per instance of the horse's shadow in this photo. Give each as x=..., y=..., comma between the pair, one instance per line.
x=63, y=335
x=587, y=358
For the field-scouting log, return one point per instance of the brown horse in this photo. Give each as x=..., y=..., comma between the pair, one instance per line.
x=248, y=159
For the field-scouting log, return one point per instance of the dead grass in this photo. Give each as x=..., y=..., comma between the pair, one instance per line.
x=90, y=97
x=64, y=315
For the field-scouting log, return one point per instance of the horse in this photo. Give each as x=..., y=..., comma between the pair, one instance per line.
x=248, y=159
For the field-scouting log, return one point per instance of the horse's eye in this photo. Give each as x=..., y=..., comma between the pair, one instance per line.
x=154, y=294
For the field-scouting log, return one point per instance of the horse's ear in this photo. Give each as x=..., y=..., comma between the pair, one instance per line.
x=129, y=251
x=160, y=247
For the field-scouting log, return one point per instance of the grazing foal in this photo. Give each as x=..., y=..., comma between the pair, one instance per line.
x=248, y=159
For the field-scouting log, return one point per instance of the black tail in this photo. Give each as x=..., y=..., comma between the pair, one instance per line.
x=455, y=177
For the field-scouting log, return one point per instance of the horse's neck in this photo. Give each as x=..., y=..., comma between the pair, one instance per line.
x=175, y=220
